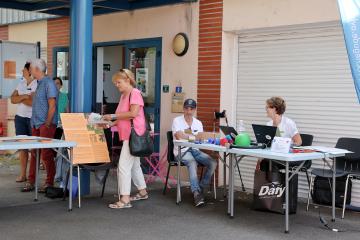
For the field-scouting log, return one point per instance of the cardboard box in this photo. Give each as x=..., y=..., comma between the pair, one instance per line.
x=177, y=102
x=206, y=135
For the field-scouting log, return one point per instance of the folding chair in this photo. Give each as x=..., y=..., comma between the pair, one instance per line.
x=173, y=163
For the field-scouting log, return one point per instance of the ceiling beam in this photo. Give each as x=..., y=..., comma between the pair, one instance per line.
x=43, y=6
x=113, y=4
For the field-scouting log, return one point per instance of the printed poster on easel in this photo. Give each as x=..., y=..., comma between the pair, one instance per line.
x=142, y=80
x=91, y=142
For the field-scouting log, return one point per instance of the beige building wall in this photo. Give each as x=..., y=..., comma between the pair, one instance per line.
x=249, y=14
x=163, y=22
x=30, y=32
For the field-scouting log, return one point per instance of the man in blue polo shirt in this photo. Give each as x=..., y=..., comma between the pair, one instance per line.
x=43, y=122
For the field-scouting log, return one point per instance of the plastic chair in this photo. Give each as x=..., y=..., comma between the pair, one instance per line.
x=105, y=166
x=342, y=163
x=307, y=140
x=352, y=164
x=173, y=162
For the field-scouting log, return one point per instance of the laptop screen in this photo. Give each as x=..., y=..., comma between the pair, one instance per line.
x=264, y=134
x=229, y=131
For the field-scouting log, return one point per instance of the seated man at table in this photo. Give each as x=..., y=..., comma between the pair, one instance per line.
x=182, y=127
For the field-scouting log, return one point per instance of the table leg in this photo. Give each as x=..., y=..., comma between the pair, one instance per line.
x=70, y=182
x=224, y=174
x=229, y=187
x=37, y=173
x=232, y=185
x=71, y=167
x=178, y=192
x=79, y=189
x=287, y=197
x=333, y=189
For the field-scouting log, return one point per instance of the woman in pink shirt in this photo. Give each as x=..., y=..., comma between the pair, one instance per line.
x=131, y=106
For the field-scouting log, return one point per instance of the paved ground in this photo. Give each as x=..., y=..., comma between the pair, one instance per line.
x=157, y=218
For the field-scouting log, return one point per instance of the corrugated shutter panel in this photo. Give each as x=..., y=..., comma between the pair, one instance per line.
x=43, y=53
x=308, y=66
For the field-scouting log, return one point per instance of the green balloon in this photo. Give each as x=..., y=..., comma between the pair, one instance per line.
x=242, y=140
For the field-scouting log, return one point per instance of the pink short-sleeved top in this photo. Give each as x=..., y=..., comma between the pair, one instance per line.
x=124, y=126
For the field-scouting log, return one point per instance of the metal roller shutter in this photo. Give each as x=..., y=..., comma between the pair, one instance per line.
x=308, y=66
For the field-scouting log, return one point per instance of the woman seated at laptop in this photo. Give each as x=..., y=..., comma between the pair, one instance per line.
x=275, y=109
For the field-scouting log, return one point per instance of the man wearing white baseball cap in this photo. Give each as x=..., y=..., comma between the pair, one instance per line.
x=183, y=127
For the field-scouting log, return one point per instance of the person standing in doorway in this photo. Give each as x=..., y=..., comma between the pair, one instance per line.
x=62, y=106
x=22, y=96
x=43, y=122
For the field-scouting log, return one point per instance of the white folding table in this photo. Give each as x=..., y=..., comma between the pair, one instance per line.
x=37, y=143
x=285, y=158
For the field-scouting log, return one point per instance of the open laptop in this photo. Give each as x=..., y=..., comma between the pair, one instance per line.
x=264, y=134
x=229, y=131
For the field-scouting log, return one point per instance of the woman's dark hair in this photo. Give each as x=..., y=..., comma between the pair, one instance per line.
x=57, y=78
x=278, y=103
x=27, y=66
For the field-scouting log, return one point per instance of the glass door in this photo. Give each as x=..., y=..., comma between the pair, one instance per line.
x=62, y=67
x=144, y=60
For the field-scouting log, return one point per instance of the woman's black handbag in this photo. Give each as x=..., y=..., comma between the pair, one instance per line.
x=140, y=146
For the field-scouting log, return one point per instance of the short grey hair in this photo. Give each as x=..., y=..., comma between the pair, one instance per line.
x=39, y=63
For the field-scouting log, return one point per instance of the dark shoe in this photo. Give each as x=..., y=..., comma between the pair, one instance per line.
x=198, y=199
x=43, y=188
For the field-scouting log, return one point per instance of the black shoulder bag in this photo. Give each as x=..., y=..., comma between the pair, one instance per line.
x=140, y=146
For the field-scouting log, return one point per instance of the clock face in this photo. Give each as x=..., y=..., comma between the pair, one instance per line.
x=180, y=44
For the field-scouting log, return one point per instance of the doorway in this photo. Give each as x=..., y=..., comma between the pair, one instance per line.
x=143, y=58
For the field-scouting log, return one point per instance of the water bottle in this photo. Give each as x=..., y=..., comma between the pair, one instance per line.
x=241, y=126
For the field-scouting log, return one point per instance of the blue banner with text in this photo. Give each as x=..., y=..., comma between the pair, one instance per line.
x=350, y=18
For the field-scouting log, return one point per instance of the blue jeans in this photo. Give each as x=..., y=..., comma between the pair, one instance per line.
x=62, y=167
x=191, y=159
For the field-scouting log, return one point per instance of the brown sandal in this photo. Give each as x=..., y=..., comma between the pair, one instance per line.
x=43, y=188
x=20, y=179
x=138, y=197
x=28, y=187
x=120, y=205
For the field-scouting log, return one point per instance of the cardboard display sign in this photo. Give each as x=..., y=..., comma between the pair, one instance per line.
x=91, y=142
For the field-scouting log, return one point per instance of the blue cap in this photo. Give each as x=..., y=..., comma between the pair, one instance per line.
x=190, y=103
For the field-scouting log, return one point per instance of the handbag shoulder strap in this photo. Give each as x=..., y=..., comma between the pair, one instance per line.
x=146, y=120
x=131, y=120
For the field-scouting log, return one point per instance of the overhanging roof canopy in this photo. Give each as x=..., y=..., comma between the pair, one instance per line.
x=62, y=7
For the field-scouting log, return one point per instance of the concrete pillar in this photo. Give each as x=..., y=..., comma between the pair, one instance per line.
x=81, y=18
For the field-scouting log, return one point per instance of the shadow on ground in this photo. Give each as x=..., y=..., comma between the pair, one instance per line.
x=157, y=218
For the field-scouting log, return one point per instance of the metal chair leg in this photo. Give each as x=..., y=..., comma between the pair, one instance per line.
x=202, y=172
x=104, y=183
x=241, y=180
x=307, y=177
x=345, y=196
x=309, y=193
x=166, y=181
x=214, y=185
x=66, y=183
